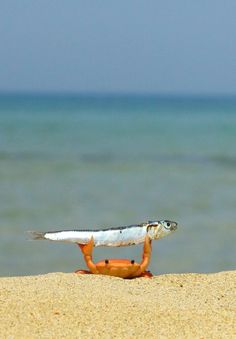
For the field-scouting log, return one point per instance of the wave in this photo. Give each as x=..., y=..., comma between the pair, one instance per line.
x=110, y=158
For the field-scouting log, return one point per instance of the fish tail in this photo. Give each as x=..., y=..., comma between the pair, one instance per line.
x=34, y=235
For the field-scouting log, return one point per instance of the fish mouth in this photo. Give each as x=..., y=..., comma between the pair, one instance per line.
x=174, y=226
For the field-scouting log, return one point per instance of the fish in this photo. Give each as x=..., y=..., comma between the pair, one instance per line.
x=114, y=236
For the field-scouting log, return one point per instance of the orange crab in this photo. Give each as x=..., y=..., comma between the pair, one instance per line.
x=122, y=268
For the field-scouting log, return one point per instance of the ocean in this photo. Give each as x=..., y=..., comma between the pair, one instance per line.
x=90, y=161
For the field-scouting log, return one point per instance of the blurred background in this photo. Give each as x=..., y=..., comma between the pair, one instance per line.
x=113, y=114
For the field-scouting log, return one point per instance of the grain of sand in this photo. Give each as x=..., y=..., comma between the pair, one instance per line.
x=59, y=305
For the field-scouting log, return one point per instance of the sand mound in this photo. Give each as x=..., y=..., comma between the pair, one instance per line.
x=62, y=305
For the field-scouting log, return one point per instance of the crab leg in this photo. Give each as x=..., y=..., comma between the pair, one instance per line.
x=87, y=251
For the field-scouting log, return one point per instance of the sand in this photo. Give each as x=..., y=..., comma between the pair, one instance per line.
x=59, y=305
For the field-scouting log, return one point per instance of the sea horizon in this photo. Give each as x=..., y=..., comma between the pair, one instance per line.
x=120, y=94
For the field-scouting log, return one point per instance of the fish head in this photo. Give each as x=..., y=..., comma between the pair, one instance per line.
x=159, y=229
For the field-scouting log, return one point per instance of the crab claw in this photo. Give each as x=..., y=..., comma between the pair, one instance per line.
x=87, y=250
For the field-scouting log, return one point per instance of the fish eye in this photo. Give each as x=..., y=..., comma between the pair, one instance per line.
x=167, y=224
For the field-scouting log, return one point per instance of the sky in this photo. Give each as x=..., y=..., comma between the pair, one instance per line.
x=125, y=46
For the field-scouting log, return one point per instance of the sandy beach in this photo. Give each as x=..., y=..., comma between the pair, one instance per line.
x=59, y=305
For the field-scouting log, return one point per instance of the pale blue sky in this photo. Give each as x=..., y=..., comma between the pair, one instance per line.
x=146, y=46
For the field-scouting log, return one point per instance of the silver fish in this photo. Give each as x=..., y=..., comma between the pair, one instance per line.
x=116, y=236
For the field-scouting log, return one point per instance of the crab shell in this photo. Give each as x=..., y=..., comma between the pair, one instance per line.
x=122, y=268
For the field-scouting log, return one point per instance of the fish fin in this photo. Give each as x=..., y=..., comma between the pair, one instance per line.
x=34, y=235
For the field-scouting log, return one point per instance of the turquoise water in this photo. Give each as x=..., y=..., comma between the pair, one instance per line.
x=84, y=162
